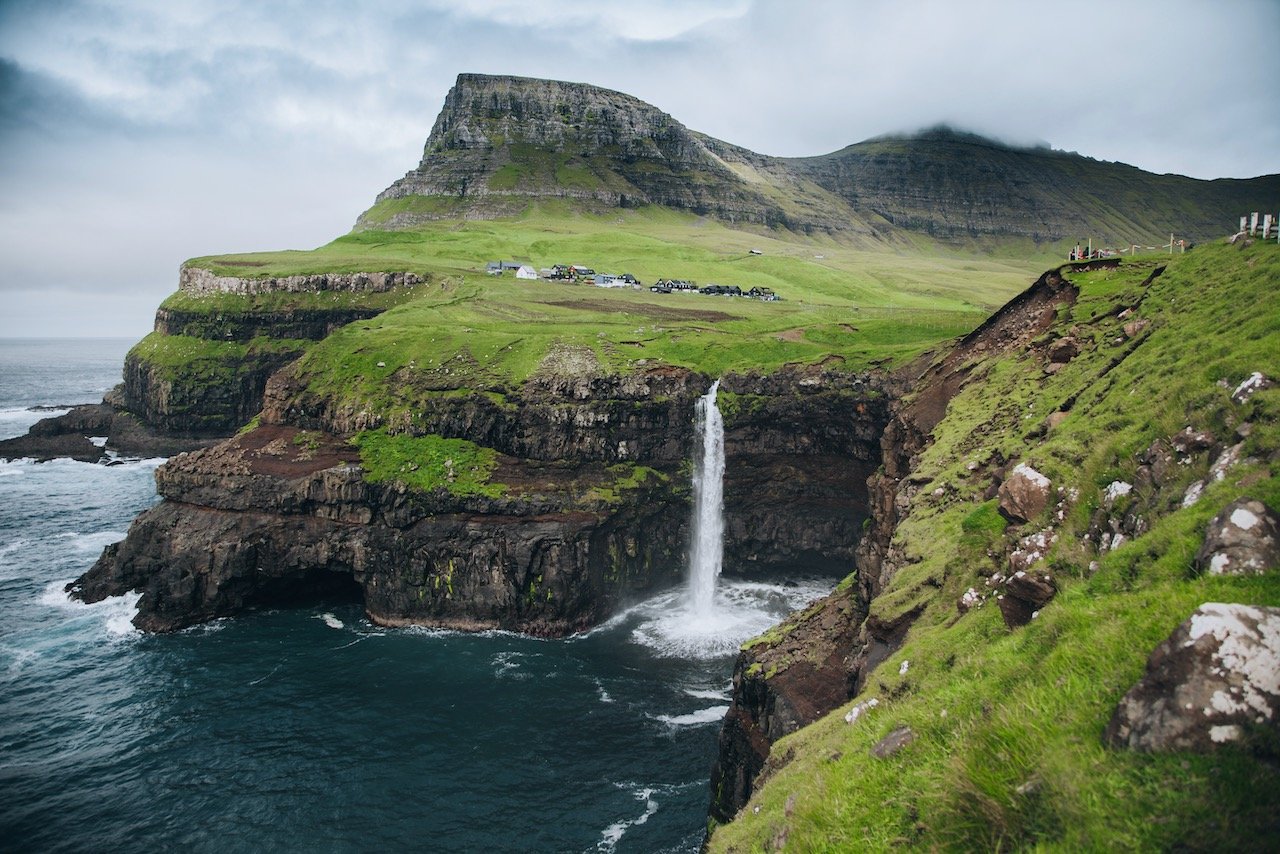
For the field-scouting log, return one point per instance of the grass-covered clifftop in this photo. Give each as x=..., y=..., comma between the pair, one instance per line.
x=1008, y=724
x=465, y=330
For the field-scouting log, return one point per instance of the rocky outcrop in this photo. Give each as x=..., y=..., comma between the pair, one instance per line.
x=1024, y=494
x=205, y=396
x=822, y=657
x=1244, y=539
x=275, y=515
x=92, y=433
x=275, y=512
x=198, y=280
x=297, y=324
x=799, y=444
x=1214, y=681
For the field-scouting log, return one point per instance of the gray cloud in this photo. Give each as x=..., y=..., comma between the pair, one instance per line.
x=137, y=133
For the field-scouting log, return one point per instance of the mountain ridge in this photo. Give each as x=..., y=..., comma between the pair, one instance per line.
x=501, y=143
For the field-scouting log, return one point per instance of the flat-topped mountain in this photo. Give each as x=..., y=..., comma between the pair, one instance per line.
x=501, y=143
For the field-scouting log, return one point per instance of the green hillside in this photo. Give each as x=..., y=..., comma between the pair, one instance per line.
x=967, y=190
x=1008, y=751
x=863, y=307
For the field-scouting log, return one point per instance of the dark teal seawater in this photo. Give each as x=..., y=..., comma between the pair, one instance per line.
x=311, y=729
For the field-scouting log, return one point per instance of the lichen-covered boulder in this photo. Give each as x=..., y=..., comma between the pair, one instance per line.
x=1024, y=493
x=1244, y=539
x=1215, y=678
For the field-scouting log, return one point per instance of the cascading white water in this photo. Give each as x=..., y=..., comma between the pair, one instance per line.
x=706, y=553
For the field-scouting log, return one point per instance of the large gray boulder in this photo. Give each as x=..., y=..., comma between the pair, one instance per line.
x=1212, y=681
x=1244, y=539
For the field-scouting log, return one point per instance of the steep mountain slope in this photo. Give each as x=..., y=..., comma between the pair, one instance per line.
x=1054, y=500
x=957, y=186
x=501, y=143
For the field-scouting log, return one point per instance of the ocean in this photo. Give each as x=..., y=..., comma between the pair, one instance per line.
x=311, y=728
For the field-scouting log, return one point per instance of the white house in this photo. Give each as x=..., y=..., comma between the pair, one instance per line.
x=524, y=271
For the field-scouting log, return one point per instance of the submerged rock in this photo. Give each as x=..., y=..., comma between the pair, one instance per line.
x=1212, y=681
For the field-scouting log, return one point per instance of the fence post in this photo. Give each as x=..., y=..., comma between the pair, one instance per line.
x=1243, y=220
x=1253, y=223
x=1266, y=226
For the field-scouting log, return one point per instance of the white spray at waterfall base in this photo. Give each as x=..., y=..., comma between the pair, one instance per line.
x=706, y=552
x=709, y=618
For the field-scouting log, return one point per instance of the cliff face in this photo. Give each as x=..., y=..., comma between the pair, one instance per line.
x=500, y=143
x=821, y=657
x=270, y=517
x=589, y=504
x=1054, y=492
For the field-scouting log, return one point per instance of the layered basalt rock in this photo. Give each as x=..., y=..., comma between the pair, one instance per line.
x=209, y=398
x=287, y=508
x=500, y=142
x=266, y=518
x=198, y=280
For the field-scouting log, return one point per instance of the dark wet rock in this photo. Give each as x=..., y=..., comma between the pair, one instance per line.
x=1024, y=494
x=1211, y=683
x=1244, y=539
x=263, y=519
x=116, y=431
x=1025, y=594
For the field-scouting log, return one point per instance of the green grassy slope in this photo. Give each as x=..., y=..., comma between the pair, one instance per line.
x=466, y=330
x=1009, y=751
x=967, y=190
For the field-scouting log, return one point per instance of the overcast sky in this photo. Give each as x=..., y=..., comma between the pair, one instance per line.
x=137, y=133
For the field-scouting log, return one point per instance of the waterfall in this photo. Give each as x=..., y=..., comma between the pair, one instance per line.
x=706, y=553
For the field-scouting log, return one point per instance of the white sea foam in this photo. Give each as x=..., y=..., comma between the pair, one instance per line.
x=331, y=621
x=604, y=695
x=15, y=421
x=115, y=613
x=610, y=836
x=17, y=658
x=709, y=715
x=94, y=542
x=506, y=665
x=701, y=694
x=742, y=610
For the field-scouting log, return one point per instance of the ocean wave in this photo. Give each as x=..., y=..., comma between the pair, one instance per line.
x=611, y=835
x=114, y=614
x=704, y=694
x=709, y=715
x=330, y=620
x=92, y=543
